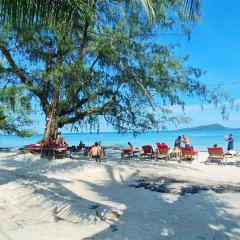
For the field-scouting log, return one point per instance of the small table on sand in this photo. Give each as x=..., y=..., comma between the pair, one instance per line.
x=175, y=153
x=231, y=158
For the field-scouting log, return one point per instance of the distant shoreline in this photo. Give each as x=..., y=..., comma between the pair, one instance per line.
x=198, y=128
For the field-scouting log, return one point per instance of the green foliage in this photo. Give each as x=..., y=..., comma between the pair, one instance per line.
x=106, y=66
x=14, y=110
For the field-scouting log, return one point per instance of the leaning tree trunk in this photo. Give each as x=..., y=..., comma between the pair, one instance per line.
x=52, y=112
x=51, y=129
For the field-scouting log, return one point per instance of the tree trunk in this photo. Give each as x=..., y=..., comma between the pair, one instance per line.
x=51, y=127
x=52, y=114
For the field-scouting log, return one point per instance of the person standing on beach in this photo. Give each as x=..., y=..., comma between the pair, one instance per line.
x=230, y=141
x=177, y=143
x=186, y=141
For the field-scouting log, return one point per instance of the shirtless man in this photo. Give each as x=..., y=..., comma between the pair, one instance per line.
x=186, y=141
x=95, y=152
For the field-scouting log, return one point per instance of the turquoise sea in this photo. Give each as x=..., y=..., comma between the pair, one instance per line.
x=199, y=139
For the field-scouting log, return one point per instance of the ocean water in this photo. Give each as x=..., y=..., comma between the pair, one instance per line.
x=199, y=139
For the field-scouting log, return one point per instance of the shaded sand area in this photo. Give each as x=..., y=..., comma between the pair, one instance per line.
x=117, y=199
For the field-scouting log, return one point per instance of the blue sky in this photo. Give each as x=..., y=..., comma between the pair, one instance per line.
x=214, y=47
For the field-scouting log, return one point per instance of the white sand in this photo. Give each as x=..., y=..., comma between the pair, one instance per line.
x=30, y=188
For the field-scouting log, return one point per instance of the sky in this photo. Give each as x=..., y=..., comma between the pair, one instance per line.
x=214, y=47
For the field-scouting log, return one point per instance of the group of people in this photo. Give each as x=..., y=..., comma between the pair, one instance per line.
x=185, y=140
x=97, y=151
x=179, y=141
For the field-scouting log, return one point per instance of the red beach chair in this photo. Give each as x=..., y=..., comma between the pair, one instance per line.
x=162, y=151
x=188, y=153
x=215, y=154
x=128, y=152
x=148, y=151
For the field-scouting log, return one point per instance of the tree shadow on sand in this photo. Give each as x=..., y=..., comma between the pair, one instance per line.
x=142, y=214
x=31, y=175
x=153, y=215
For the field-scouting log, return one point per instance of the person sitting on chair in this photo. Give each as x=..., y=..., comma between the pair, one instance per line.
x=81, y=145
x=59, y=141
x=95, y=152
x=130, y=147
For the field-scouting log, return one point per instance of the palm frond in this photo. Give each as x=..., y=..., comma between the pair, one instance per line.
x=192, y=7
x=28, y=12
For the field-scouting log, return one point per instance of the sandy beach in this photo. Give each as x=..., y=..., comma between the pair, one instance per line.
x=117, y=199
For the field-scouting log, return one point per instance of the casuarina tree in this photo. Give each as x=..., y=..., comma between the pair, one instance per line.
x=114, y=65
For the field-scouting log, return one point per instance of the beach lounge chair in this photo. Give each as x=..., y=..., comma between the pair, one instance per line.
x=147, y=150
x=50, y=152
x=162, y=152
x=216, y=154
x=159, y=145
x=33, y=148
x=188, y=153
x=231, y=157
x=53, y=152
x=129, y=153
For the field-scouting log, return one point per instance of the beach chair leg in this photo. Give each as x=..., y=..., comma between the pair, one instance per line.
x=41, y=153
x=48, y=153
x=54, y=154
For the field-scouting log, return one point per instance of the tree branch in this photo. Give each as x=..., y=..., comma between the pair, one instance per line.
x=92, y=111
x=19, y=73
x=79, y=87
x=83, y=101
x=78, y=105
x=85, y=31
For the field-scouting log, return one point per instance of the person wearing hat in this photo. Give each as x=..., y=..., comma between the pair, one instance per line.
x=230, y=141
